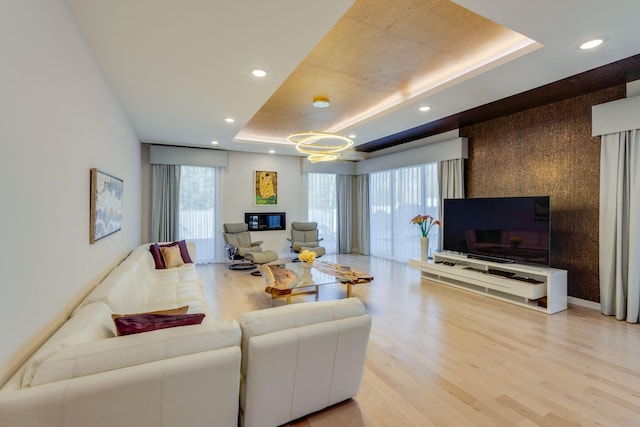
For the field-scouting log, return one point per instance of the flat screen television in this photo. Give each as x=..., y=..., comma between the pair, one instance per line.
x=266, y=221
x=501, y=229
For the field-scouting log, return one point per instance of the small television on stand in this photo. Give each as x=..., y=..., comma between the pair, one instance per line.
x=500, y=229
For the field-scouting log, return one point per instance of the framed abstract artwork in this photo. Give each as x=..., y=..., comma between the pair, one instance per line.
x=106, y=205
x=266, y=188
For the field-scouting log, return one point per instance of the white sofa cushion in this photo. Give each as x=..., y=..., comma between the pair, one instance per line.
x=108, y=354
x=91, y=323
x=117, y=291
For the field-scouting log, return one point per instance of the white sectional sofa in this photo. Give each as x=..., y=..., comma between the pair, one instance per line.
x=86, y=376
x=290, y=360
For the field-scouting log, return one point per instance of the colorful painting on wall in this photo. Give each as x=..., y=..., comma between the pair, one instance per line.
x=106, y=205
x=266, y=188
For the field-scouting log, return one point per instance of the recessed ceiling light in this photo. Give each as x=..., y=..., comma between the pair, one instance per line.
x=353, y=135
x=321, y=102
x=424, y=108
x=229, y=120
x=214, y=142
x=272, y=151
x=258, y=72
x=591, y=44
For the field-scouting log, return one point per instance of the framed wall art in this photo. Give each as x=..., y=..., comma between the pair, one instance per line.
x=106, y=205
x=266, y=188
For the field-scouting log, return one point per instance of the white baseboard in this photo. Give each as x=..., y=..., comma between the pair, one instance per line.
x=584, y=303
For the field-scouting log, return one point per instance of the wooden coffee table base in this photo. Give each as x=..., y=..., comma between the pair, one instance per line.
x=288, y=293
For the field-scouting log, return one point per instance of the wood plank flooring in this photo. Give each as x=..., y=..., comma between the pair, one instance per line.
x=440, y=356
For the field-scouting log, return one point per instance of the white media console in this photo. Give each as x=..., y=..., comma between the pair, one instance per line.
x=536, y=287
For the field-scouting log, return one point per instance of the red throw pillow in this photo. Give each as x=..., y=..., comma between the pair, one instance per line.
x=184, y=252
x=157, y=256
x=138, y=323
x=159, y=260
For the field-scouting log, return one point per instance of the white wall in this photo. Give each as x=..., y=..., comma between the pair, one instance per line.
x=58, y=119
x=239, y=194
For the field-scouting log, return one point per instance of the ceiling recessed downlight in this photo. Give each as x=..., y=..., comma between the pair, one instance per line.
x=352, y=135
x=591, y=44
x=321, y=102
x=229, y=120
x=424, y=108
x=214, y=142
x=272, y=151
x=258, y=72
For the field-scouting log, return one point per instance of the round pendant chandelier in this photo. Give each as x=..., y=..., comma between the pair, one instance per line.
x=320, y=146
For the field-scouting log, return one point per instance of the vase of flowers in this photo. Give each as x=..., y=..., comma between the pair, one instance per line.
x=426, y=223
x=307, y=257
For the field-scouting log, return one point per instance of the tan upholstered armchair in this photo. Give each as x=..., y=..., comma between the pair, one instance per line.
x=305, y=235
x=237, y=236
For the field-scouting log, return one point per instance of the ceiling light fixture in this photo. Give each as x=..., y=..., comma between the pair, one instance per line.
x=214, y=142
x=229, y=120
x=320, y=146
x=591, y=44
x=424, y=108
x=258, y=72
x=321, y=102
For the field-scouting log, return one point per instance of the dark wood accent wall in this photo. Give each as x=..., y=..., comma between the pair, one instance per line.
x=548, y=150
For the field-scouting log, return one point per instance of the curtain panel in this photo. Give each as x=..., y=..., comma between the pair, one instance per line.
x=165, y=201
x=345, y=213
x=450, y=185
x=362, y=213
x=619, y=226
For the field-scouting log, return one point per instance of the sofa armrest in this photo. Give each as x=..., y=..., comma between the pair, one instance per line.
x=109, y=354
x=193, y=390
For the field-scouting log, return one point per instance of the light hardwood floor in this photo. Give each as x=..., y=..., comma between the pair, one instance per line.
x=440, y=356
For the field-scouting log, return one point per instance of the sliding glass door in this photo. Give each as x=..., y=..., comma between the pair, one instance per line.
x=198, y=211
x=395, y=197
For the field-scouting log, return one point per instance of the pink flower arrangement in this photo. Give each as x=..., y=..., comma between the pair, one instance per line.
x=426, y=222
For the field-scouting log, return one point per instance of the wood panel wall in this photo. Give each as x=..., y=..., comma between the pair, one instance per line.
x=548, y=150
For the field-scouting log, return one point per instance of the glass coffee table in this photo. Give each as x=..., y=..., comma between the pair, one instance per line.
x=286, y=279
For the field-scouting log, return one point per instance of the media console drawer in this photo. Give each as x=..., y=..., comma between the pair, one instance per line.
x=503, y=284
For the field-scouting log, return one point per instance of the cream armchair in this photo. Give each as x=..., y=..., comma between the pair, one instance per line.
x=239, y=246
x=237, y=236
x=304, y=235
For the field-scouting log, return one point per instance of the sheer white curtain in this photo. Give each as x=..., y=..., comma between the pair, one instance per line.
x=395, y=197
x=322, y=207
x=620, y=225
x=198, y=211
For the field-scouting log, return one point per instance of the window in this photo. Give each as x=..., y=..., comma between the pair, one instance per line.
x=395, y=197
x=322, y=207
x=197, y=212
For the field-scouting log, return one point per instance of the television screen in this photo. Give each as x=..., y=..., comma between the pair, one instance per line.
x=503, y=229
x=266, y=221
